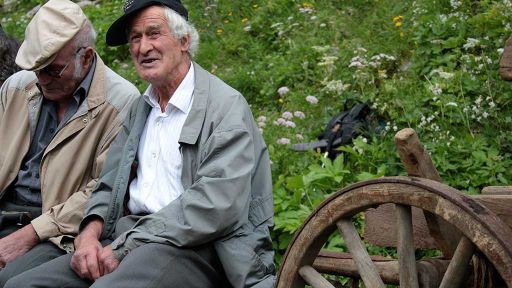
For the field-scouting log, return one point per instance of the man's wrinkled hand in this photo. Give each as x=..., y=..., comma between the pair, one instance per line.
x=107, y=260
x=17, y=244
x=87, y=250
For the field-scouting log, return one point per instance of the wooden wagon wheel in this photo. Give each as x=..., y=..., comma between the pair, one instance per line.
x=481, y=228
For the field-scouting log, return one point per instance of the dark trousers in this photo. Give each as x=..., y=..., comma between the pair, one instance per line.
x=149, y=265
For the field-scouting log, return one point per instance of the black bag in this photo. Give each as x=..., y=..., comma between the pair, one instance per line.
x=340, y=130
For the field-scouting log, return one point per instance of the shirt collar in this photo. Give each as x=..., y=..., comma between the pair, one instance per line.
x=182, y=97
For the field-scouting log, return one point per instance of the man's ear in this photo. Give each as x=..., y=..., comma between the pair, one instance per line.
x=88, y=56
x=185, y=43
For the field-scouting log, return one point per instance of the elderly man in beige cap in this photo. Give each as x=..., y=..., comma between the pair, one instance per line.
x=58, y=118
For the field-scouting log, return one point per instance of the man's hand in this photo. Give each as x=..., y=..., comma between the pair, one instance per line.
x=87, y=249
x=107, y=260
x=17, y=244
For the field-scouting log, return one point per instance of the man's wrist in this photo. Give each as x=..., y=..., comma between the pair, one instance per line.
x=93, y=228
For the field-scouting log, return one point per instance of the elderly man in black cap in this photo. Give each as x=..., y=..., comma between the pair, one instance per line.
x=185, y=196
x=58, y=118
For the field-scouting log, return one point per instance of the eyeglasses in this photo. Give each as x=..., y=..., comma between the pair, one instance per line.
x=55, y=72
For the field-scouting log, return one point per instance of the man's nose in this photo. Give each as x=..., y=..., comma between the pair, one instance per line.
x=43, y=78
x=145, y=45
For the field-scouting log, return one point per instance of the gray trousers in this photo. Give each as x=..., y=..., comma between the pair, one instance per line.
x=38, y=255
x=149, y=265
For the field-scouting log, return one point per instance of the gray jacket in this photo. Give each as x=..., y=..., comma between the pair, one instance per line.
x=227, y=181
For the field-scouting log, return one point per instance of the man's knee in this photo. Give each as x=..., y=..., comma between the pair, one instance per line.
x=7, y=273
x=14, y=282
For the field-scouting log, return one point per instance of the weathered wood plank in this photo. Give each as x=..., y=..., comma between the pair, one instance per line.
x=407, y=259
x=381, y=227
x=416, y=160
x=418, y=163
x=365, y=266
x=459, y=265
x=313, y=278
x=497, y=190
x=501, y=205
x=336, y=263
x=506, y=61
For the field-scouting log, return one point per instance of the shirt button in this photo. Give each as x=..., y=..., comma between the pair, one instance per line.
x=154, y=154
x=52, y=130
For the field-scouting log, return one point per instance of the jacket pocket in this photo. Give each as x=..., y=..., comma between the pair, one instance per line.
x=261, y=210
x=248, y=258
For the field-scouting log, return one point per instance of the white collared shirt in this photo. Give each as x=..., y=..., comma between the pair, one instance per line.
x=158, y=180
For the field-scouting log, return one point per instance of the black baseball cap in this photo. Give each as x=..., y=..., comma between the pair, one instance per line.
x=116, y=34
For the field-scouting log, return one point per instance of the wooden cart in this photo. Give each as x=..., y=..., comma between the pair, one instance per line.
x=473, y=233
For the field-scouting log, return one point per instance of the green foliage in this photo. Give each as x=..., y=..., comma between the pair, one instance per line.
x=427, y=64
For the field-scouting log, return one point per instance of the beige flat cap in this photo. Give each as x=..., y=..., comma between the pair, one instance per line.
x=52, y=27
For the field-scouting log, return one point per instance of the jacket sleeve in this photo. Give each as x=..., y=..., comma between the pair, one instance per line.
x=215, y=205
x=62, y=219
x=102, y=195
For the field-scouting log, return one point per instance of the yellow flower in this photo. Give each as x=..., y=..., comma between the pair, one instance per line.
x=255, y=6
x=230, y=13
x=219, y=31
x=307, y=5
x=401, y=34
x=245, y=20
x=281, y=100
x=398, y=18
x=226, y=21
x=398, y=24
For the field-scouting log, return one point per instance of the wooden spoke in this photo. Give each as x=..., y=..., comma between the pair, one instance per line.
x=364, y=263
x=407, y=259
x=457, y=270
x=314, y=278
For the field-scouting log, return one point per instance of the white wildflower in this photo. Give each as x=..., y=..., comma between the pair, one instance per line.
x=311, y=99
x=262, y=119
x=287, y=115
x=436, y=89
x=299, y=114
x=306, y=10
x=283, y=90
x=290, y=124
x=471, y=43
x=283, y=141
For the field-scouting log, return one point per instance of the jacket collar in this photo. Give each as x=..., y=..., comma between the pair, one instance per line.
x=193, y=124
x=97, y=92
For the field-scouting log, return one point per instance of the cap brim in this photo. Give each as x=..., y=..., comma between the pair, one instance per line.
x=21, y=59
x=116, y=34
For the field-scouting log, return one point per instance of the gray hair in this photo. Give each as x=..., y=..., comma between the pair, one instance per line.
x=180, y=28
x=86, y=37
